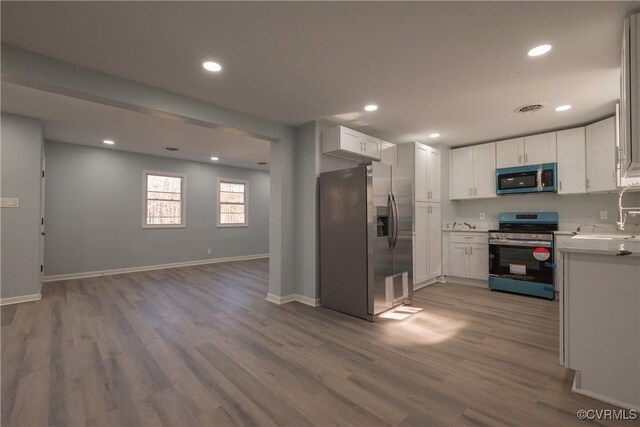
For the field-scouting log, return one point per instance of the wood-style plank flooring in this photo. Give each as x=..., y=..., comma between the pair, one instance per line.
x=201, y=346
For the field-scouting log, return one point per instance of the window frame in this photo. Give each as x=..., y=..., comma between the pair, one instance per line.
x=246, y=202
x=183, y=199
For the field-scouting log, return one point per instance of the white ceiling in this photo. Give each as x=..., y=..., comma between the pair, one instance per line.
x=459, y=68
x=83, y=122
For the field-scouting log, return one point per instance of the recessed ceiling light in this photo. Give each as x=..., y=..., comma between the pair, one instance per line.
x=215, y=159
x=370, y=107
x=212, y=66
x=539, y=50
x=108, y=142
x=434, y=135
x=563, y=107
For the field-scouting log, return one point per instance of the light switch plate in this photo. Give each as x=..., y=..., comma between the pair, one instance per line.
x=481, y=215
x=10, y=202
x=604, y=215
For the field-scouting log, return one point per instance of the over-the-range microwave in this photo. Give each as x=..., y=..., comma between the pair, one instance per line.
x=526, y=179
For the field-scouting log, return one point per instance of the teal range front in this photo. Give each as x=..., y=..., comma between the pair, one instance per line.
x=544, y=290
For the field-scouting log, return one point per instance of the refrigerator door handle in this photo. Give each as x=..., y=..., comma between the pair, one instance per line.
x=390, y=227
x=395, y=220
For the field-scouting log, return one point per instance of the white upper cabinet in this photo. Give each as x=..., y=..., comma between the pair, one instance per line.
x=484, y=170
x=530, y=150
x=601, y=156
x=421, y=192
x=344, y=142
x=424, y=161
x=473, y=172
x=540, y=149
x=433, y=175
x=389, y=154
x=461, y=177
x=571, y=161
x=510, y=153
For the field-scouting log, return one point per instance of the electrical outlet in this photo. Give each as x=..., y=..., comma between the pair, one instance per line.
x=481, y=215
x=604, y=215
x=209, y=251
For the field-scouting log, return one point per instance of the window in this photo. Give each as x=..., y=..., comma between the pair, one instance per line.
x=164, y=200
x=232, y=203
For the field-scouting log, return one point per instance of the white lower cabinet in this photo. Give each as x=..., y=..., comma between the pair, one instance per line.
x=469, y=256
x=427, y=259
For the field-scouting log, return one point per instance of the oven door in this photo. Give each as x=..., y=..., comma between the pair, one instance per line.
x=529, y=260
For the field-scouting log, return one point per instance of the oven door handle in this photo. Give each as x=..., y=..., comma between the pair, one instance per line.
x=527, y=243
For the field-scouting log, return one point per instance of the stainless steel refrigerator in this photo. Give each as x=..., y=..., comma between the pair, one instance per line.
x=366, y=239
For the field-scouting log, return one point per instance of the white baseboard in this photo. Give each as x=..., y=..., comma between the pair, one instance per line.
x=23, y=298
x=83, y=275
x=469, y=282
x=602, y=398
x=313, y=302
x=423, y=284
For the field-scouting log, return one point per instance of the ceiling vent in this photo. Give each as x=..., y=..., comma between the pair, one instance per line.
x=172, y=149
x=532, y=108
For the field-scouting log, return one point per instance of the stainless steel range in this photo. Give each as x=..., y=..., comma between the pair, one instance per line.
x=521, y=258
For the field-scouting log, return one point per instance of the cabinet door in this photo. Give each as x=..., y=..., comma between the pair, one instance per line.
x=484, y=170
x=435, y=241
x=540, y=149
x=571, y=161
x=461, y=173
x=601, y=156
x=479, y=261
x=433, y=174
x=459, y=260
x=510, y=153
x=350, y=140
x=420, y=262
x=389, y=153
x=420, y=185
x=371, y=147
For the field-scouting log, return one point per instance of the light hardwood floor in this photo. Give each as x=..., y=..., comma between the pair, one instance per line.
x=201, y=346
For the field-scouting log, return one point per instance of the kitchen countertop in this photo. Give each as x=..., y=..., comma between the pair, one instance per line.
x=611, y=245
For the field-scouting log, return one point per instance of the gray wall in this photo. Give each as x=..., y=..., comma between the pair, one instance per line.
x=583, y=208
x=20, y=152
x=34, y=70
x=93, y=212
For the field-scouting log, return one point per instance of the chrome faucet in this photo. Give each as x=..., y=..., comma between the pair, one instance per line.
x=623, y=211
x=471, y=227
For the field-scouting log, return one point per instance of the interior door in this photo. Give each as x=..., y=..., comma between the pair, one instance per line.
x=571, y=161
x=42, y=224
x=435, y=241
x=421, y=159
x=540, y=149
x=484, y=170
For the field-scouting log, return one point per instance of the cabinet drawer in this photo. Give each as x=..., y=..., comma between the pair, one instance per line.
x=479, y=238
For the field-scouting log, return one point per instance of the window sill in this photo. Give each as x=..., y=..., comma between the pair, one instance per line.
x=232, y=225
x=164, y=226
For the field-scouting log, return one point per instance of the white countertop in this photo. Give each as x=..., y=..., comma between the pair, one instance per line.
x=602, y=244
